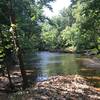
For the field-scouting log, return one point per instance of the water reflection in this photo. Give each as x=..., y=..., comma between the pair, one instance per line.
x=48, y=64
x=92, y=74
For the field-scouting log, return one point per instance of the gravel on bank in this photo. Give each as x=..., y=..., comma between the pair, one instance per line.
x=70, y=87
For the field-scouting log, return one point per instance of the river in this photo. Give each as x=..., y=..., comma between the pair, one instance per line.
x=46, y=64
x=49, y=64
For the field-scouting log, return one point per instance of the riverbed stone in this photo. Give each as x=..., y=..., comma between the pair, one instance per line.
x=70, y=87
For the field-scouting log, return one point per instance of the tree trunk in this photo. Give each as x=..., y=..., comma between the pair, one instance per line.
x=6, y=64
x=17, y=46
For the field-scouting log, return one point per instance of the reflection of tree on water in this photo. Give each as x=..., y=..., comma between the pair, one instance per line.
x=55, y=64
x=29, y=60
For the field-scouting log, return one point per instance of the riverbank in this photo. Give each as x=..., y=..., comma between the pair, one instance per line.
x=89, y=52
x=93, y=62
x=66, y=50
x=70, y=87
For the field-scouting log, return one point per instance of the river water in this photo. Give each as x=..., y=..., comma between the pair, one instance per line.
x=46, y=64
x=49, y=64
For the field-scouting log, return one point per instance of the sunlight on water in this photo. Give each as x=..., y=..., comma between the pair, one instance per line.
x=50, y=64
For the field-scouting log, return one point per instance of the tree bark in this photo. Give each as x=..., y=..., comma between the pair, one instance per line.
x=17, y=46
x=6, y=64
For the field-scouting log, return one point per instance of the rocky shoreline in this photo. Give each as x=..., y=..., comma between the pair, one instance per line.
x=91, y=62
x=70, y=87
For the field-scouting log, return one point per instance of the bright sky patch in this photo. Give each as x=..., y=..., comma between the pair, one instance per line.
x=57, y=6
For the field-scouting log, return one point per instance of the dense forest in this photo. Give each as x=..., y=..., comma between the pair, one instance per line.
x=76, y=26
x=24, y=27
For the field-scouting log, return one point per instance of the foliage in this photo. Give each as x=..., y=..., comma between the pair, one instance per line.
x=19, y=30
x=78, y=25
x=48, y=36
x=87, y=16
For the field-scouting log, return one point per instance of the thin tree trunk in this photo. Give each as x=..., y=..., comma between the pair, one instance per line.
x=6, y=64
x=17, y=46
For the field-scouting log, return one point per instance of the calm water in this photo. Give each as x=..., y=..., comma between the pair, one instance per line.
x=45, y=64
x=48, y=64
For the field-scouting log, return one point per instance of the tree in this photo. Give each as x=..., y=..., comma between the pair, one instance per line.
x=87, y=15
x=48, y=36
x=19, y=21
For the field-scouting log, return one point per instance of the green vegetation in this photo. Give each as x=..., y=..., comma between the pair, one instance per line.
x=77, y=26
x=19, y=30
x=24, y=27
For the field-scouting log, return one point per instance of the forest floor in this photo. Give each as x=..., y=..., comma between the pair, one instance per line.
x=70, y=87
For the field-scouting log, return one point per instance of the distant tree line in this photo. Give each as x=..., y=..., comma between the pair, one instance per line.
x=77, y=26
